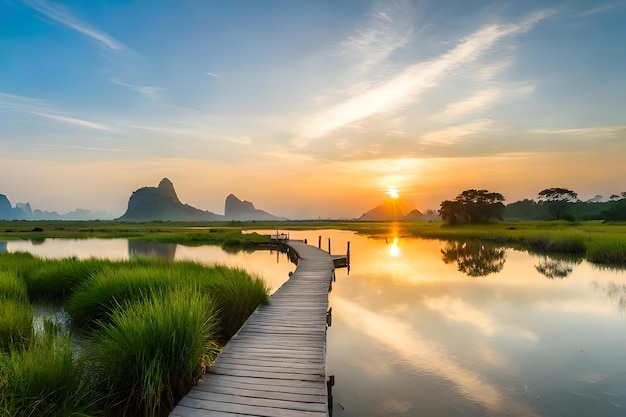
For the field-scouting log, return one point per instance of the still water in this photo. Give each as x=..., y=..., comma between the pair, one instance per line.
x=432, y=328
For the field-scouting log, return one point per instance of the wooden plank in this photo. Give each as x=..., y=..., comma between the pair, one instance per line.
x=275, y=365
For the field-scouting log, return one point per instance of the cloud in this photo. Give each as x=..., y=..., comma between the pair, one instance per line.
x=199, y=132
x=387, y=29
x=54, y=13
x=212, y=74
x=21, y=103
x=148, y=91
x=451, y=135
x=407, y=86
x=43, y=108
x=601, y=131
x=72, y=120
x=478, y=101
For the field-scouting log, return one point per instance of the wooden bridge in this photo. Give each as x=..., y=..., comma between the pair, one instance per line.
x=275, y=366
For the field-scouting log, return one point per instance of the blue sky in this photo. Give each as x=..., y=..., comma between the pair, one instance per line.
x=309, y=108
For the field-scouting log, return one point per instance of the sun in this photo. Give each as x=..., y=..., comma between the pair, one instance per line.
x=392, y=192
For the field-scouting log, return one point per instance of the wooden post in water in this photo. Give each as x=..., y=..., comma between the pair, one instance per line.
x=319, y=242
x=348, y=255
x=329, y=246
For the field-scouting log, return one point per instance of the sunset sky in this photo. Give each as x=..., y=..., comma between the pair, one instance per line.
x=311, y=108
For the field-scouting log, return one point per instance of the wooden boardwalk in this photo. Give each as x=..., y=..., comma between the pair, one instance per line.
x=275, y=366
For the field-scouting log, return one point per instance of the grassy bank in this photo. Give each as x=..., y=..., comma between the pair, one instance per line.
x=148, y=329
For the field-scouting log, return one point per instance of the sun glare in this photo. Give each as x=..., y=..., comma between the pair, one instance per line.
x=393, y=193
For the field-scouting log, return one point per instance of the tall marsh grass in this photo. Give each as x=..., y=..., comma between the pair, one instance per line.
x=16, y=323
x=153, y=350
x=609, y=251
x=154, y=327
x=47, y=379
x=57, y=279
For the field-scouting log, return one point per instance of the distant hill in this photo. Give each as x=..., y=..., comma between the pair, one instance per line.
x=23, y=211
x=162, y=203
x=390, y=209
x=235, y=209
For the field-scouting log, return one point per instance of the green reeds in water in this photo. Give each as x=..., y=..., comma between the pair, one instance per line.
x=47, y=379
x=16, y=314
x=16, y=323
x=100, y=293
x=237, y=295
x=57, y=279
x=152, y=351
x=609, y=251
x=563, y=243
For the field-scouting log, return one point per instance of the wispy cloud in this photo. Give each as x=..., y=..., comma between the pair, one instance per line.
x=601, y=131
x=451, y=135
x=600, y=9
x=408, y=85
x=148, y=91
x=64, y=18
x=387, y=28
x=43, y=108
x=212, y=74
x=480, y=101
x=72, y=120
x=199, y=132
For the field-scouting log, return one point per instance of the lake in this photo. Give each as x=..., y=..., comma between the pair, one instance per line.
x=433, y=328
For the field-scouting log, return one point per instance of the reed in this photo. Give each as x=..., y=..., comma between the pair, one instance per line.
x=100, y=293
x=11, y=287
x=16, y=323
x=46, y=379
x=566, y=243
x=57, y=279
x=152, y=351
x=237, y=295
x=611, y=251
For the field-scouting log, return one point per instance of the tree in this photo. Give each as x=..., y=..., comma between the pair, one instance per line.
x=472, y=206
x=557, y=199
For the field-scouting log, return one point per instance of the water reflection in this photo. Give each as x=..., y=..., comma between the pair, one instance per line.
x=151, y=249
x=553, y=267
x=473, y=258
x=3, y=247
x=615, y=292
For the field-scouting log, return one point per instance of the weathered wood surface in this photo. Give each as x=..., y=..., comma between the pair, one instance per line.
x=275, y=366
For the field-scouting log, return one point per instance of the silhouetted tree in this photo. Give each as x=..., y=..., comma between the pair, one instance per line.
x=472, y=206
x=614, y=197
x=474, y=258
x=552, y=267
x=556, y=199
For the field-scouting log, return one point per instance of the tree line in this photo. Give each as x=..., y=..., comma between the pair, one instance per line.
x=557, y=203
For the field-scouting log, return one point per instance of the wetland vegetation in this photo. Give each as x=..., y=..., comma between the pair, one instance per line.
x=143, y=332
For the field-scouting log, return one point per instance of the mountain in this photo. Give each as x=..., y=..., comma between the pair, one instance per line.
x=23, y=211
x=162, y=203
x=5, y=208
x=235, y=209
x=414, y=214
x=390, y=209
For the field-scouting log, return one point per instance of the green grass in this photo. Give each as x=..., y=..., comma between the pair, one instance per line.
x=57, y=279
x=235, y=292
x=154, y=327
x=12, y=287
x=47, y=379
x=153, y=350
x=608, y=252
x=237, y=295
x=16, y=323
